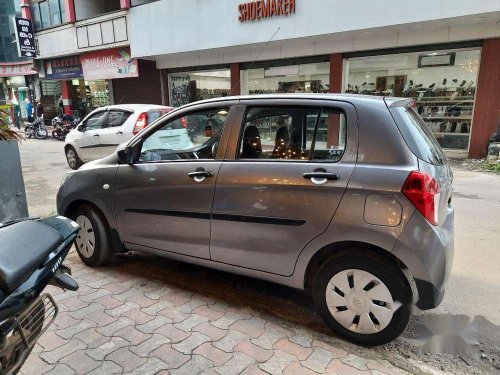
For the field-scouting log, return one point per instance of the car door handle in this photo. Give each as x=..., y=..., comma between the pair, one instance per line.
x=96, y=135
x=201, y=174
x=119, y=132
x=322, y=175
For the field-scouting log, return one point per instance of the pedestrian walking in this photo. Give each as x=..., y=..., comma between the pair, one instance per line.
x=29, y=110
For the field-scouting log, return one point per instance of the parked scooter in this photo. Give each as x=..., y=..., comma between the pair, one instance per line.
x=31, y=256
x=63, y=124
x=36, y=129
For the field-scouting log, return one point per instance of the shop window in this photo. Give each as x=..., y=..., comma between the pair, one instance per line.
x=302, y=78
x=48, y=13
x=443, y=84
x=193, y=86
x=293, y=133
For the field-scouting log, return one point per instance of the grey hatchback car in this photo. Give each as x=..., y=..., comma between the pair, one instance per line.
x=347, y=197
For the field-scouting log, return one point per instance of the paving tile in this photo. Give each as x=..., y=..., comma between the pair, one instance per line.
x=385, y=367
x=152, y=366
x=101, y=318
x=253, y=327
x=253, y=370
x=142, y=300
x=193, y=304
x=208, y=312
x=173, y=314
x=170, y=356
x=174, y=334
x=338, y=367
x=295, y=368
x=123, y=309
x=146, y=347
x=109, y=302
x=188, y=324
x=80, y=363
x=268, y=338
x=235, y=365
x=138, y=316
x=188, y=345
x=76, y=328
x=117, y=325
x=93, y=296
x=83, y=312
x=177, y=298
x=99, y=353
x=318, y=360
x=51, y=340
x=226, y=320
x=254, y=351
x=64, y=320
x=62, y=351
x=107, y=368
x=290, y=347
x=132, y=335
x=304, y=341
x=217, y=356
x=278, y=362
x=194, y=366
x=337, y=352
x=72, y=304
x=34, y=362
x=61, y=370
x=228, y=342
x=126, y=359
x=92, y=338
x=213, y=332
x=153, y=324
x=115, y=287
x=355, y=361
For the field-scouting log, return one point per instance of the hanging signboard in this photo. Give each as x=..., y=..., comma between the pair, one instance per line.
x=17, y=69
x=25, y=37
x=64, y=68
x=109, y=64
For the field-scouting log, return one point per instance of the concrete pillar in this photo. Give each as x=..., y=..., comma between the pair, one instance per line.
x=125, y=4
x=25, y=9
x=67, y=96
x=487, y=105
x=69, y=8
x=235, y=79
x=336, y=65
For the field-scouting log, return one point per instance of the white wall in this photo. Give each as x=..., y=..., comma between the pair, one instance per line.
x=167, y=27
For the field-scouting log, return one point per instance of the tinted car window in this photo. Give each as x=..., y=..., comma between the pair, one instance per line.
x=96, y=121
x=293, y=133
x=117, y=118
x=155, y=114
x=417, y=135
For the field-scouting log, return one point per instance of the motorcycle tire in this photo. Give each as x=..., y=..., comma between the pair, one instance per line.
x=28, y=131
x=58, y=135
x=41, y=133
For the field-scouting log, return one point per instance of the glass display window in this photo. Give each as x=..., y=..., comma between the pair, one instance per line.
x=302, y=78
x=188, y=87
x=443, y=84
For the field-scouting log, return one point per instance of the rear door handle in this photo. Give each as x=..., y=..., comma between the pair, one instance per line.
x=96, y=135
x=119, y=132
x=199, y=176
x=322, y=176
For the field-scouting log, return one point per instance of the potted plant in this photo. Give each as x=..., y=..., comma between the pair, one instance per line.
x=13, y=203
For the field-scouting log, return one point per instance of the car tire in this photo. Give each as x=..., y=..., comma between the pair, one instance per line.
x=72, y=158
x=370, y=317
x=92, y=242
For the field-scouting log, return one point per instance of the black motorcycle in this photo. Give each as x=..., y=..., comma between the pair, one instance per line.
x=64, y=124
x=36, y=129
x=31, y=256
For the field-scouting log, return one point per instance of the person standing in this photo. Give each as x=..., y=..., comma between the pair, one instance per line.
x=29, y=110
x=16, y=113
x=39, y=108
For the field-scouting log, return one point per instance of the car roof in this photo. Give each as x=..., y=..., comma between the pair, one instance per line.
x=353, y=98
x=132, y=107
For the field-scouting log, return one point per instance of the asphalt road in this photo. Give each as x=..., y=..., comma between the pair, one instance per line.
x=475, y=277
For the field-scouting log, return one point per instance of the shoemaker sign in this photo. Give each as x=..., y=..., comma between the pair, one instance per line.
x=25, y=37
x=109, y=64
x=257, y=10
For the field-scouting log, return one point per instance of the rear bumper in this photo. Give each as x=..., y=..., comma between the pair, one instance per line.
x=427, y=251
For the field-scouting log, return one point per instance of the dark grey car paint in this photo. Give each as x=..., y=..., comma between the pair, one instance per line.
x=380, y=166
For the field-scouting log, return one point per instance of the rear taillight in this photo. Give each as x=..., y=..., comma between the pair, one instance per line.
x=141, y=123
x=422, y=191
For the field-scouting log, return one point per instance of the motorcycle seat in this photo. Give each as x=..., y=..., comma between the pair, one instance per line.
x=23, y=248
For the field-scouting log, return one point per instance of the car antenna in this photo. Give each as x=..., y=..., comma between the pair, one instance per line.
x=260, y=53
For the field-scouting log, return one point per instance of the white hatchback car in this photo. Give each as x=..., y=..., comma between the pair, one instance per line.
x=102, y=130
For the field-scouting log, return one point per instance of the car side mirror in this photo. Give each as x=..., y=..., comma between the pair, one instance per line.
x=125, y=155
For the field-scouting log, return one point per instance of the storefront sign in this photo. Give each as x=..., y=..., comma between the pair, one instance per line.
x=256, y=10
x=25, y=37
x=64, y=68
x=109, y=64
x=19, y=69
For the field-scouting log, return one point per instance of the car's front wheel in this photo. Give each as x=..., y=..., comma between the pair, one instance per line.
x=92, y=242
x=364, y=299
x=72, y=158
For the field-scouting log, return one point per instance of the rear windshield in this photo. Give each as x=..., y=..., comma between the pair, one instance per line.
x=155, y=114
x=418, y=136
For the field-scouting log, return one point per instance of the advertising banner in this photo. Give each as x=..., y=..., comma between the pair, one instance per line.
x=17, y=69
x=64, y=68
x=25, y=37
x=109, y=64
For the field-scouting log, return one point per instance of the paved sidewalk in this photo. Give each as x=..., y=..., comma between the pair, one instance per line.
x=147, y=316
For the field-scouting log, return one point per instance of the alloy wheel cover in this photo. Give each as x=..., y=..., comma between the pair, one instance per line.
x=85, y=241
x=359, y=301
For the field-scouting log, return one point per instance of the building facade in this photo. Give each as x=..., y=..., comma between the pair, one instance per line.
x=442, y=53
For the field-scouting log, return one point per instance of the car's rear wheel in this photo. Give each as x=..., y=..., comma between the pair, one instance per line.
x=364, y=299
x=92, y=242
x=72, y=158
